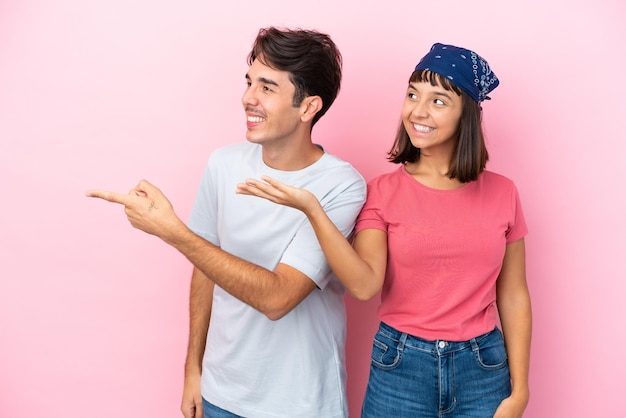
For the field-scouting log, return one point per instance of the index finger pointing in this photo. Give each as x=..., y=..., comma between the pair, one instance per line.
x=109, y=196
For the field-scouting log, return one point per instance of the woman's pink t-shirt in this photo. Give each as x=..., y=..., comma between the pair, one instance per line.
x=445, y=251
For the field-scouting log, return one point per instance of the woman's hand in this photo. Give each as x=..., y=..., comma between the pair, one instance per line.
x=511, y=407
x=280, y=193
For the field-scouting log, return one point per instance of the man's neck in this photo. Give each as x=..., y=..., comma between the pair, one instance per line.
x=292, y=158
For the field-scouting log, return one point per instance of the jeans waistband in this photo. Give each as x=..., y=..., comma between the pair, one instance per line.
x=440, y=346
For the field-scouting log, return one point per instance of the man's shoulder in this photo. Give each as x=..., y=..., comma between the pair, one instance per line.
x=331, y=164
x=335, y=180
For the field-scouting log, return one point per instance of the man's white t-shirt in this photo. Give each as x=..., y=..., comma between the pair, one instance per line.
x=292, y=367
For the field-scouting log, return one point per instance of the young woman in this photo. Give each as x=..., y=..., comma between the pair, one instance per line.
x=443, y=239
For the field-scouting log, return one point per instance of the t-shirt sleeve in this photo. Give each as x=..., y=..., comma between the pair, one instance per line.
x=371, y=214
x=517, y=227
x=203, y=218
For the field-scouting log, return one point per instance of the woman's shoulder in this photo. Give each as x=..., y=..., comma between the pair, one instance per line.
x=392, y=176
x=493, y=177
x=496, y=182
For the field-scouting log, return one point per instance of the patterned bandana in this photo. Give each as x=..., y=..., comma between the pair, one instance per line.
x=464, y=68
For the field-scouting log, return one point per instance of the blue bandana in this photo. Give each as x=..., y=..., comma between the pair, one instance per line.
x=464, y=68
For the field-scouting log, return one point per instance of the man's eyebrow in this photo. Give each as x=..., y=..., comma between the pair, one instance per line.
x=264, y=80
x=268, y=81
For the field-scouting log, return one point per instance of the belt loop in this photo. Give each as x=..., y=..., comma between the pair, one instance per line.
x=402, y=341
x=474, y=344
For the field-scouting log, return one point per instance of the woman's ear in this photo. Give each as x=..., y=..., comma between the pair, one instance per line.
x=309, y=107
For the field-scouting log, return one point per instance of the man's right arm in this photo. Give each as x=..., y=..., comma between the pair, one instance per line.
x=200, y=302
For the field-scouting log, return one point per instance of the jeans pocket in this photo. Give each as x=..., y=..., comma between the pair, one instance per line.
x=385, y=353
x=491, y=352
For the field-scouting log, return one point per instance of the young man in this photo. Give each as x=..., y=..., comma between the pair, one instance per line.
x=275, y=344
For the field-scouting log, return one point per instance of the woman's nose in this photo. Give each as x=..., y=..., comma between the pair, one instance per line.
x=419, y=109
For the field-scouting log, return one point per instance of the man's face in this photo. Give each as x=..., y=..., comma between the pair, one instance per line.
x=271, y=117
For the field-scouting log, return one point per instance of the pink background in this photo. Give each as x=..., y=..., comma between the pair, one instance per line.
x=99, y=94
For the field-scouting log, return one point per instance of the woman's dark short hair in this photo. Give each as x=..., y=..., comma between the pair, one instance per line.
x=311, y=58
x=470, y=155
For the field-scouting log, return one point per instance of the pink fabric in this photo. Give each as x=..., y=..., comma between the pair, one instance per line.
x=445, y=251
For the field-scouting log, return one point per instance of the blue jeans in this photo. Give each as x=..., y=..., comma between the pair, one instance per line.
x=413, y=377
x=211, y=411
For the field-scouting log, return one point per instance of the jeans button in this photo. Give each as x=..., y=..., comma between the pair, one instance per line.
x=442, y=344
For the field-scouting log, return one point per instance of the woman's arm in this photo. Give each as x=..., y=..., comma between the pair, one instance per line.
x=360, y=267
x=513, y=300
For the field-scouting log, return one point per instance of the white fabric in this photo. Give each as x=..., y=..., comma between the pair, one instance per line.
x=293, y=367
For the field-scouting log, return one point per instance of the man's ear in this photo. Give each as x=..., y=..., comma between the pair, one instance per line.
x=309, y=107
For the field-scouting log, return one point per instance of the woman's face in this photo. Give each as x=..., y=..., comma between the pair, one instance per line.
x=431, y=117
